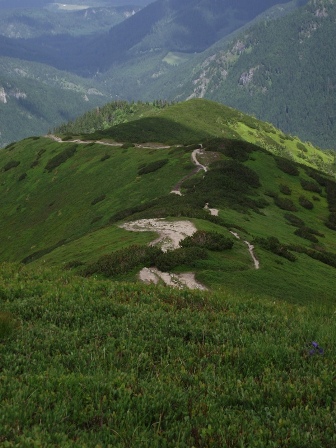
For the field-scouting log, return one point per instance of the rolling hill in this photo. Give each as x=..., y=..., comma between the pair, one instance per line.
x=90, y=356
x=65, y=195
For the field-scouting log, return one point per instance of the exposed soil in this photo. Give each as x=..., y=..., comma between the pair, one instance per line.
x=170, y=232
x=187, y=279
x=177, y=188
x=212, y=211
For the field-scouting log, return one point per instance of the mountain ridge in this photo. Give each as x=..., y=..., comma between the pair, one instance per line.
x=284, y=209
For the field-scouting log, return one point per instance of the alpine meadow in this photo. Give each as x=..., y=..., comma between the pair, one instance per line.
x=167, y=266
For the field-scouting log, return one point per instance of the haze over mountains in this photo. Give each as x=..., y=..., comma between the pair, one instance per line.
x=177, y=50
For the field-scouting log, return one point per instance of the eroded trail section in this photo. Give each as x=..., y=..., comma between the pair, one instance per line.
x=251, y=250
x=100, y=142
x=171, y=233
x=187, y=279
x=254, y=258
x=198, y=167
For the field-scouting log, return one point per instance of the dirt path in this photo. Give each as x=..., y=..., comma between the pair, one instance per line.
x=251, y=250
x=212, y=211
x=98, y=142
x=194, y=155
x=187, y=279
x=254, y=258
x=198, y=167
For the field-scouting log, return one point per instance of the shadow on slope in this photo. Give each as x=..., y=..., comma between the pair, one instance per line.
x=153, y=129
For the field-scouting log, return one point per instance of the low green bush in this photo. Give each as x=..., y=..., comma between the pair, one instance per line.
x=285, y=204
x=34, y=164
x=11, y=146
x=284, y=189
x=235, y=149
x=127, y=145
x=60, y=158
x=22, y=177
x=309, y=185
x=331, y=222
x=305, y=232
x=272, y=244
x=186, y=256
x=208, y=240
x=98, y=199
x=294, y=220
x=96, y=219
x=287, y=166
x=301, y=146
x=105, y=157
x=11, y=164
x=306, y=203
x=123, y=261
x=325, y=257
x=151, y=167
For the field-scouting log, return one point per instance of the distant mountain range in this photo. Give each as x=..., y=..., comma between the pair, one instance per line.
x=264, y=58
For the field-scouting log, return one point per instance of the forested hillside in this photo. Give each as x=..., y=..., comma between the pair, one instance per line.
x=278, y=72
x=165, y=25
x=34, y=98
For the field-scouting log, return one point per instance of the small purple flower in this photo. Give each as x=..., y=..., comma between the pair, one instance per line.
x=316, y=350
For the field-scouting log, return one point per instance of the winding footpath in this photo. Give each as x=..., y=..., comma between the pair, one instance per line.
x=170, y=233
x=251, y=250
x=198, y=167
x=99, y=142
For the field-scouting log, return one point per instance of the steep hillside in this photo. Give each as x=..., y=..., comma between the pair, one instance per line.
x=276, y=71
x=63, y=202
x=34, y=98
x=164, y=25
x=61, y=19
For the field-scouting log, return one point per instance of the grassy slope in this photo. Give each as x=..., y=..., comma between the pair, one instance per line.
x=89, y=362
x=50, y=215
x=95, y=363
x=198, y=119
x=47, y=207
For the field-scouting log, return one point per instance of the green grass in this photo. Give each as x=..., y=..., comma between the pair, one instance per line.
x=96, y=363
x=70, y=214
x=46, y=208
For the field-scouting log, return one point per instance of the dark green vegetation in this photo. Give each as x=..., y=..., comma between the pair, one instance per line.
x=277, y=71
x=95, y=363
x=90, y=357
x=57, y=19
